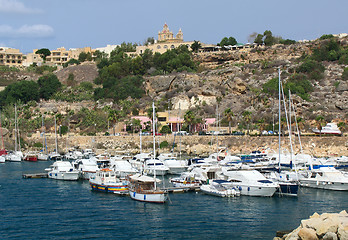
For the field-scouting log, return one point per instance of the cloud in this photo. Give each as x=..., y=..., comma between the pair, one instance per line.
x=27, y=31
x=13, y=6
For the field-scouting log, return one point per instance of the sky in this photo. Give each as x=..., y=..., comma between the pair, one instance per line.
x=35, y=24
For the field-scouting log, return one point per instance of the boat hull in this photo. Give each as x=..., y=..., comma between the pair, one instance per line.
x=328, y=185
x=160, y=197
x=68, y=176
x=256, y=191
x=287, y=189
x=121, y=189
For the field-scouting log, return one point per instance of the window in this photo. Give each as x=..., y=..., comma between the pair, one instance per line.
x=172, y=47
x=158, y=47
x=162, y=119
x=165, y=46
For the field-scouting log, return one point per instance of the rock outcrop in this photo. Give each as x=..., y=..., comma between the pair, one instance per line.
x=327, y=226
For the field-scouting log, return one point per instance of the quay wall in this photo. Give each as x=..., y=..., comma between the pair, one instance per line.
x=325, y=146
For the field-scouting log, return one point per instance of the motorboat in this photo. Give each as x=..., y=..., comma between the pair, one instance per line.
x=54, y=156
x=217, y=188
x=186, y=180
x=14, y=156
x=325, y=178
x=105, y=180
x=2, y=159
x=30, y=156
x=250, y=182
x=152, y=165
x=144, y=188
x=42, y=157
x=62, y=170
x=73, y=155
x=86, y=167
x=123, y=168
x=175, y=166
x=330, y=128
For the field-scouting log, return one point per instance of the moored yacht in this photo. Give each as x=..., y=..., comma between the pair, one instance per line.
x=217, y=188
x=251, y=183
x=62, y=170
x=325, y=178
x=105, y=180
x=152, y=165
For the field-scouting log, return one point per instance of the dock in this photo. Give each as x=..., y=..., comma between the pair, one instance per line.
x=181, y=189
x=35, y=175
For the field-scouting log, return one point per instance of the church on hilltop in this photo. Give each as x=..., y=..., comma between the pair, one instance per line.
x=166, y=41
x=167, y=36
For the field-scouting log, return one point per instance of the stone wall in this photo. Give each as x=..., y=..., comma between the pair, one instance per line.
x=203, y=145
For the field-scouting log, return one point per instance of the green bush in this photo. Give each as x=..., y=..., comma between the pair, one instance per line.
x=165, y=130
x=164, y=144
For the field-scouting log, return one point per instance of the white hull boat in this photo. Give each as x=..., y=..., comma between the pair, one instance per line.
x=216, y=188
x=251, y=183
x=325, y=178
x=144, y=188
x=63, y=170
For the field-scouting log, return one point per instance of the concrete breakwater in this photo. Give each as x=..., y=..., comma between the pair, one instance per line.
x=203, y=145
x=325, y=226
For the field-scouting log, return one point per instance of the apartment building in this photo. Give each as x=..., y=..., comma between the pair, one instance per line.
x=10, y=57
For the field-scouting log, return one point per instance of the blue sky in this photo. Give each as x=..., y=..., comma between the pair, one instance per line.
x=29, y=24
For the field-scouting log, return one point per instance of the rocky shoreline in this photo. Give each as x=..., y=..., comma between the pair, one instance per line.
x=325, y=146
x=327, y=226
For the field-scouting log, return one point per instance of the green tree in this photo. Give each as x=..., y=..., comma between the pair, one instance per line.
x=49, y=84
x=320, y=121
x=231, y=41
x=247, y=118
x=259, y=39
x=165, y=130
x=24, y=91
x=85, y=56
x=195, y=46
x=71, y=80
x=229, y=115
x=189, y=118
x=268, y=38
x=43, y=52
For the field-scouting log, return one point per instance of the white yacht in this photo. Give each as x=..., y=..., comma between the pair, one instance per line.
x=250, y=182
x=123, y=168
x=62, y=170
x=14, y=156
x=186, y=179
x=152, y=165
x=2, y=159
x=325, y=178
x=86, y=167
x=330, y=128
x=175, y=166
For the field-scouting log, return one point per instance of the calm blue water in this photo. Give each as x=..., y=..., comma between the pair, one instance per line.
x=51, y=209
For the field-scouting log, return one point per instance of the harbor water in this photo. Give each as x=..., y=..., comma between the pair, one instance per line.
x=50, y=209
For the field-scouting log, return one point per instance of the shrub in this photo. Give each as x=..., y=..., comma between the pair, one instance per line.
x=164, y=144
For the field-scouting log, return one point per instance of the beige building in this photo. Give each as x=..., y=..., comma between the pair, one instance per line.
x=10, y=57
x=166, y=41
x=61, y=55
x=31, y=58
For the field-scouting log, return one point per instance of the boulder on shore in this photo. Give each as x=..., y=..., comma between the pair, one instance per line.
x=324, y=226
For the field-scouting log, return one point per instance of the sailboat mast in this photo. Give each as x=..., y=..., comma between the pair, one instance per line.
x=154, y=141
x=279, y=116
x=55, y=133
x=15, y=128
x=43, y=135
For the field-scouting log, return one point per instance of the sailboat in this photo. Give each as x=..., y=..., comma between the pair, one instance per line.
x=287, y=186
x=42, y=156
x=144, y=188
x=3, y=151
x=17, y=155
x=55, y=155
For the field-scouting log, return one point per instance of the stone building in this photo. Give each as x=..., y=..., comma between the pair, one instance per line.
x=61, y=55
x=10, y=57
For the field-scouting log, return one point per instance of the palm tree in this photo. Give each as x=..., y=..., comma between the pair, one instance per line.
x=261, y=124
x=247, y=118
x=229, y=114
x=113, y=117
x=320, y=122
x=189, y=118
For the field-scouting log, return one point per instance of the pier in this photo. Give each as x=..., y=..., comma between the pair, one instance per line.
x=35, y=175
x=181, y=189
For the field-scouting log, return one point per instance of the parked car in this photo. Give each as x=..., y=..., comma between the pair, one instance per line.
x=238, y=133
